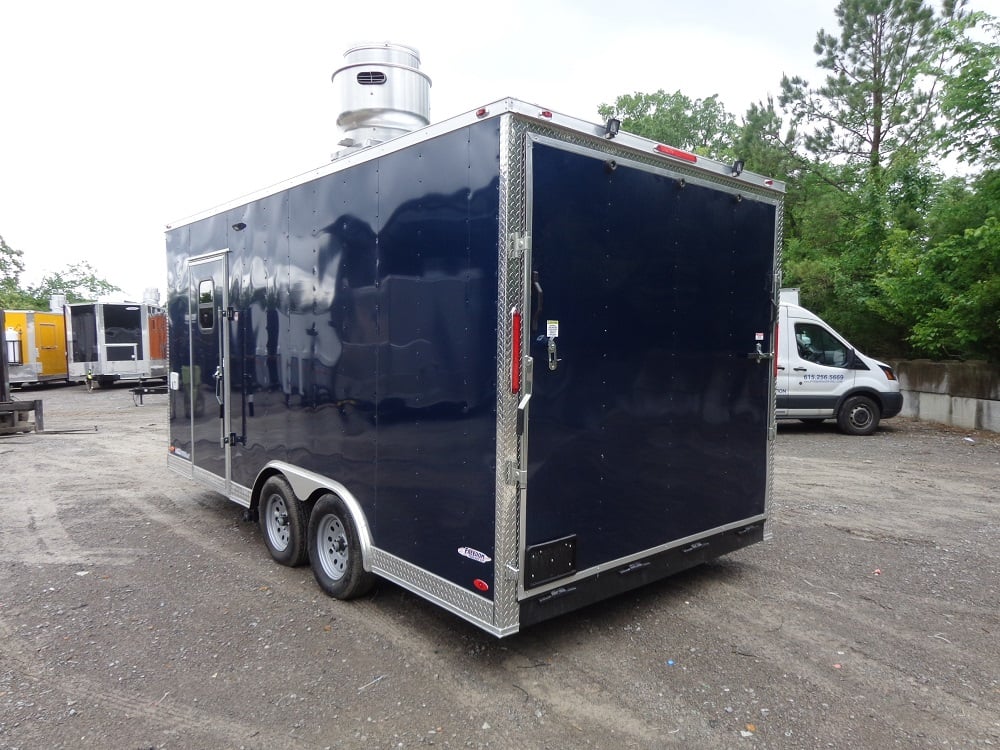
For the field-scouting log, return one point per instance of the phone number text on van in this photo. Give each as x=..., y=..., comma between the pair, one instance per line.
x=823, y=378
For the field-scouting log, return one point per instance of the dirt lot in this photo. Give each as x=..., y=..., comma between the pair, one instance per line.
x=138, y=611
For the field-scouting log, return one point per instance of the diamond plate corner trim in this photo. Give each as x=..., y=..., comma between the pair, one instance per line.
x=510, y=283
x=446, y=594
x=779, y=238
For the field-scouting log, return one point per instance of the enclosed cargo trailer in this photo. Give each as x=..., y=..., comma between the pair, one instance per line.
x=514, y=362
x=116, y=341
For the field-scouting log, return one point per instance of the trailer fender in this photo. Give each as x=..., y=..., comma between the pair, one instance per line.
x=308, y=485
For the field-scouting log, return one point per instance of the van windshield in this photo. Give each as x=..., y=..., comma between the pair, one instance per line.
x=816, y=344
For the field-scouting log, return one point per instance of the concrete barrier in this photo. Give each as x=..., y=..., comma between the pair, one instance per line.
x=963, y=394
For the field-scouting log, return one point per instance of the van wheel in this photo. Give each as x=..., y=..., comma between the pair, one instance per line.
x=335, y=550
x=282, y=521
x=859, y=415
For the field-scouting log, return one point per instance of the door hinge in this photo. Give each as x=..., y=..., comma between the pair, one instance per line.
x=518, y=244
x=515, y=476
x=233, y=439
x=229, y=313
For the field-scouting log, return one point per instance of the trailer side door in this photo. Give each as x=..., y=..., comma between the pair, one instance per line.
x=206, y=380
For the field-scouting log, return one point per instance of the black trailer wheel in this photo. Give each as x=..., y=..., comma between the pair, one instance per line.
x=282, y=519
x=335, y=550
x=858, y=415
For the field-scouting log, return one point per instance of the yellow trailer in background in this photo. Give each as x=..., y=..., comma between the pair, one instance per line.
x=36, y=346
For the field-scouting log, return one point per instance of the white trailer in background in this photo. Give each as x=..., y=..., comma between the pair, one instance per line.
x=116, y=341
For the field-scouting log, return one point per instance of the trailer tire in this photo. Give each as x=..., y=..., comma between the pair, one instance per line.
x=858, y=415
x=335, y=550
x=282, y=519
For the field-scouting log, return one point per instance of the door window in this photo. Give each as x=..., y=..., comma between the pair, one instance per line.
x=206, y=305
x=816, y=344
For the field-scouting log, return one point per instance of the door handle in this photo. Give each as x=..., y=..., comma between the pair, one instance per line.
x=218, y=384
x=799, y=369
x=760, y=354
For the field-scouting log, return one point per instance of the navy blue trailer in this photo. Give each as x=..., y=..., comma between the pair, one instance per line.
x=506, y=361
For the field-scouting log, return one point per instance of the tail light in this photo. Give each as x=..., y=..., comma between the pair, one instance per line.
x=515, y=352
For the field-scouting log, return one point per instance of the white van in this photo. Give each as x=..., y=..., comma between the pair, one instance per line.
x=821, y=376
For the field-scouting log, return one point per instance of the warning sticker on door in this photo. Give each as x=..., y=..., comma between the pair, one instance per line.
x=552, y=328
x=759, y=336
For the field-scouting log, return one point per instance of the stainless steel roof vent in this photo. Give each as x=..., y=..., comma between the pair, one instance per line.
x=382, y=94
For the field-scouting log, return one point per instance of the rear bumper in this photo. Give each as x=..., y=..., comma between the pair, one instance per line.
x=588, y=591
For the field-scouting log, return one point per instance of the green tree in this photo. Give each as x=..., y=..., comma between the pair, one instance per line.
x=868, y=129
x=12, y=296
x=971, y=99
x=763, y=146
x=942, y=280
x=876, y=97
x=78, y=282
x=702, y=126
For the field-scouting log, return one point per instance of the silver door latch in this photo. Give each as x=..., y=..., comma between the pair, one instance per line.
x=553, y=355
x=759, y=355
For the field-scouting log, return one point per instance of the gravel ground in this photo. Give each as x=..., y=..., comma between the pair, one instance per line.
x=138, y=611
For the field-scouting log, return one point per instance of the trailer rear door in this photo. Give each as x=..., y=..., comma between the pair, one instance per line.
x=207, y=379
x=648, y=421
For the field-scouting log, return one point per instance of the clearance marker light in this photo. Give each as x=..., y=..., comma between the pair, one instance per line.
x=480, y=584
x=676, y=153
x=545, y=113
x=482, y=112
x=776, y=329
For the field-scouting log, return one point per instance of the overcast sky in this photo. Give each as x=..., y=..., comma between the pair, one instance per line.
x=119, y=117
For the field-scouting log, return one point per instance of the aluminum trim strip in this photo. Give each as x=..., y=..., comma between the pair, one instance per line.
x=209, y=479
x=180, y=466
x=239, y=494
x=207, y=257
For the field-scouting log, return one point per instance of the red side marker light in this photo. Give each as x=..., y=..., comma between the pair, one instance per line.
x=515, y=350
x=776, y=351
x=480, y=584
x=545, y=113
x=482, y=112
x=676, y=153
x=768, y=182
